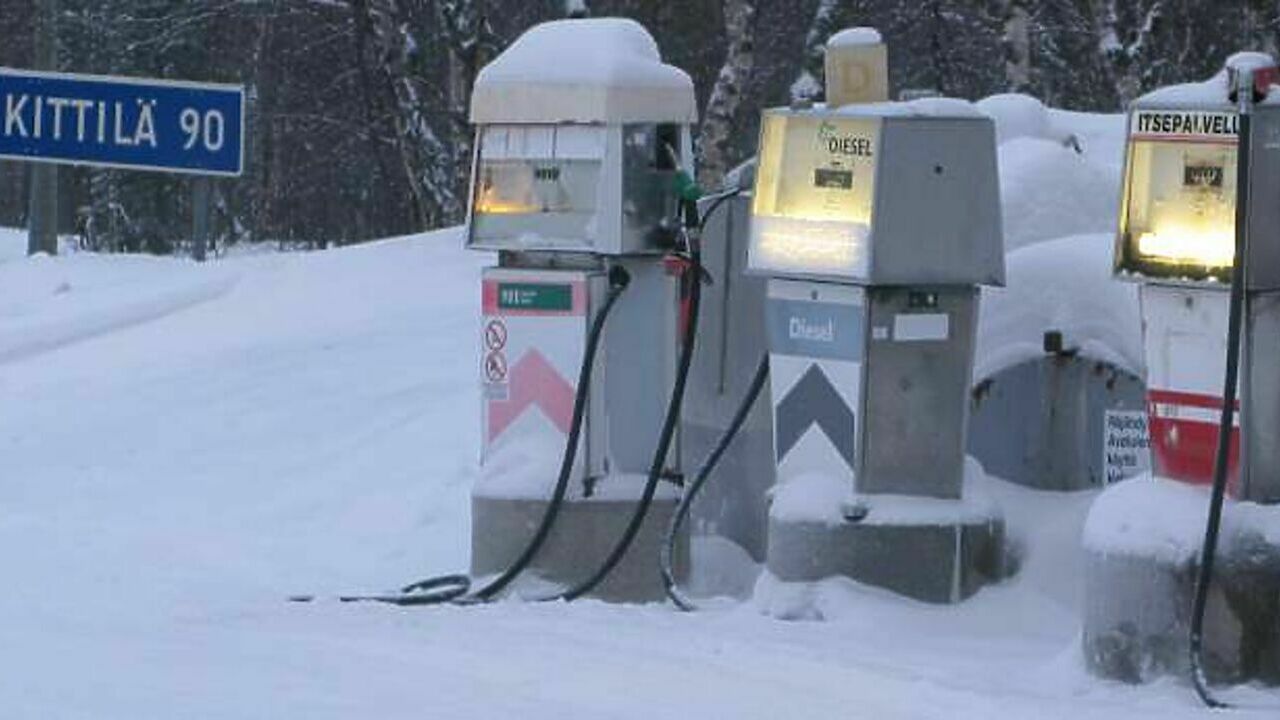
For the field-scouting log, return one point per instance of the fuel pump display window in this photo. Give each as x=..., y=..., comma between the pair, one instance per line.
x=537, y=183
x=813, y=195
x=1178, y=220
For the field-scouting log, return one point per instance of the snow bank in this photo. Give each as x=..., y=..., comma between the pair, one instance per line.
x=1063, y=285
x=315, y=429
x=1059, y=170
x=1018, y=116
x=49, y=302
x=1048, y=190
x=1100, y=137
x=13, y=244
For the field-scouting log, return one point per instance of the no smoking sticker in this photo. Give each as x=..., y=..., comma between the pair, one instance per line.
x=495, y=335
x=495, y=366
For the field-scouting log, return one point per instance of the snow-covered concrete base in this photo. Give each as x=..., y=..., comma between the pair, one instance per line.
x=934, y=550
x=1142, y=540
x=584, y=533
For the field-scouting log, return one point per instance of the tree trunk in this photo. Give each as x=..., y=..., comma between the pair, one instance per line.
x=718, y=123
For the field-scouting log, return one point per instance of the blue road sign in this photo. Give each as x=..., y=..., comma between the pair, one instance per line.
x=122, y=122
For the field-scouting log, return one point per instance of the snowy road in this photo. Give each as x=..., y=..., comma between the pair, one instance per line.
x=313, y=427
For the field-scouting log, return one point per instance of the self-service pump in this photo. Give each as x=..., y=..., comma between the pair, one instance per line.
x=876, y=223
x=1198, y=231
x=1177, y=239
x=580, y=133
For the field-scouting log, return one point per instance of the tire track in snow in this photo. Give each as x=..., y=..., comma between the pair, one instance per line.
x=22, y=341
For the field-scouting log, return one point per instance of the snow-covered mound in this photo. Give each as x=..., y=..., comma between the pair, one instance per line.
x=1020, y=116
x=1059, y=171
x=47, y=302
x=1165, y=520
x=1048, y=191
x=1065, y=285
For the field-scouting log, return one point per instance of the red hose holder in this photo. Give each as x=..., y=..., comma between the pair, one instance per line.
x=682, y=268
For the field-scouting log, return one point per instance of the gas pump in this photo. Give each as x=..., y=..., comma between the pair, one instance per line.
x=581, y=133
x=1198, y=232
x=875, y=223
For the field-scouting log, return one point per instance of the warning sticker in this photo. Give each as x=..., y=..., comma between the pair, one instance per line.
x=1126, y=447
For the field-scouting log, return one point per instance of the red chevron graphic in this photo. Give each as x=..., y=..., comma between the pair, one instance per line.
x=533, y=382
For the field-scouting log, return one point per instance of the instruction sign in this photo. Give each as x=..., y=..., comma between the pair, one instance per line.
x=1126, y=445
x=122, y=122
x=1186, y=126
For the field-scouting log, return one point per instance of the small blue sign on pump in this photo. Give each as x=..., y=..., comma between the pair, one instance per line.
x=181, y=127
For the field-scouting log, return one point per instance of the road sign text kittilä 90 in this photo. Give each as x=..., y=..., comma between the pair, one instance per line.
x=162, y=125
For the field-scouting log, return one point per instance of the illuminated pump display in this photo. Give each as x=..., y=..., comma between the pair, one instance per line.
x=1179, y=206
x=876, y=223
x=580, y=131
x=878, y=194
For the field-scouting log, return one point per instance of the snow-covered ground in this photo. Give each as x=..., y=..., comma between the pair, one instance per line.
x=13, y=244
x=183, y=446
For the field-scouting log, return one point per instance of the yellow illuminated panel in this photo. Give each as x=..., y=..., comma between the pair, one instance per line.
x=813, y=197
x=1178, y=219
x=507, y=187
x=537, y=185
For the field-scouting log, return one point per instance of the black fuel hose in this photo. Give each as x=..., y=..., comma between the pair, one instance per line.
x=455, y=588
x=691, y=492
x=694, y=223
x=658, y=464
x=1222, y=453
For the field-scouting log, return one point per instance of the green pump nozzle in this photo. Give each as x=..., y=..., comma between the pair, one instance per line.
x=688, y=192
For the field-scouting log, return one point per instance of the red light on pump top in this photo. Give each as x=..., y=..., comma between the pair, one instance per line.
x=1263, y=79
x=1265, y=73
x=1184, y=437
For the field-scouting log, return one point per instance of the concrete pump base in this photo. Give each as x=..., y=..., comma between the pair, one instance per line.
x=1142, y=544
x=936, y=562
x=1138, y=614
x=583, y=535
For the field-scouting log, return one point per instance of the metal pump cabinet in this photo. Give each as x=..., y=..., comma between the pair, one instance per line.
x=580, y=129
x=1176, y=238
x=876, y=223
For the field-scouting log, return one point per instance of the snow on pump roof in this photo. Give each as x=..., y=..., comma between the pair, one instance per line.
x=594, y=70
